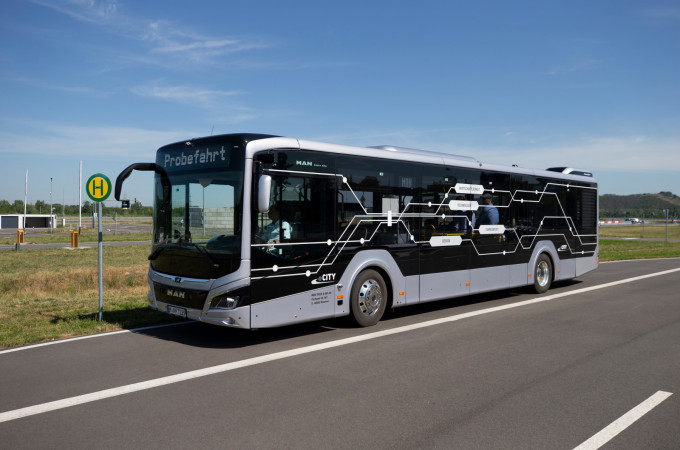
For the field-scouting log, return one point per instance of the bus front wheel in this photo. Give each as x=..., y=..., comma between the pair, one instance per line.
x=543, y=273
x=368, y=298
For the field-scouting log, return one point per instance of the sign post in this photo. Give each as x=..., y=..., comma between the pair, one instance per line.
x=98, y=188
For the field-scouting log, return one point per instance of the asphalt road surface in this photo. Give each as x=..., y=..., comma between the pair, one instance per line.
x=593, y=361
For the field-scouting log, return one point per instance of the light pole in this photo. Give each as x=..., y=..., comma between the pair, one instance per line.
x=51, y=224
x=25, y=198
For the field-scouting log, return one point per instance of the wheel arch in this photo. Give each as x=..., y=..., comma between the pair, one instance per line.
x=543, y=247
x=380, y=261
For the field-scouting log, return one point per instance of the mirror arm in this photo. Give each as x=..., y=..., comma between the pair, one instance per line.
x=165, y=180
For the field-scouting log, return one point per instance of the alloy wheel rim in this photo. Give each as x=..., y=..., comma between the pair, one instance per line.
x=542, y=273
x=370, y=297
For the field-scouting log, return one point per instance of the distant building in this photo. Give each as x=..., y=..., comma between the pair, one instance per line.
x=16, y=221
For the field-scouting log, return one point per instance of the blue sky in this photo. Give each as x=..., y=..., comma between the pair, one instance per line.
x=589, y=84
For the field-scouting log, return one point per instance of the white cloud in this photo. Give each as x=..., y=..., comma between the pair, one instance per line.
x=204, y=98
x=103, y=11
x=669, y=15
x=161, y=37
x=100, y=142
x=170, y=40
x=629, y=153
x=607, y=153
x=56, y=87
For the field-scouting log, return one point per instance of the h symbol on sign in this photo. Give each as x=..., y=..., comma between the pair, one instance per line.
x=99, y=187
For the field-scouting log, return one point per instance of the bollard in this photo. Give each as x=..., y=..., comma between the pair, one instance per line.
x=75, y=239
x=20, y=236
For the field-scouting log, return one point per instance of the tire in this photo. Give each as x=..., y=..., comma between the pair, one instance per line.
x=368, y=298
x=543, y=273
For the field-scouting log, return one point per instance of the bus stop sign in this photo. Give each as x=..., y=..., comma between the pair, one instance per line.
x=98, y=187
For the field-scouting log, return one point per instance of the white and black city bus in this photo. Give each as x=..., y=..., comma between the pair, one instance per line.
x=255, y=231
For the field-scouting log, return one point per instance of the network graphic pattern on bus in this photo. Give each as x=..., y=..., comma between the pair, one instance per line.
x=365, y=228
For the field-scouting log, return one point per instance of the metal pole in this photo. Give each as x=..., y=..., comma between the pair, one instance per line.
x=80, y=199
x=666, y=224
x=51, y=217
x=25, y=195
x=101, y=270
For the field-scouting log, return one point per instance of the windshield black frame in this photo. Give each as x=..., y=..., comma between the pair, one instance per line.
x=198, y=215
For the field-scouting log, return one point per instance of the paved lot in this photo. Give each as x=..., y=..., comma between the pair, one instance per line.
x=489, y=371
x=122, y=229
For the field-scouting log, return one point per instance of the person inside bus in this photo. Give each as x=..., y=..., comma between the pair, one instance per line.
x=489, y=213
x=459, y=219
x=278, y=229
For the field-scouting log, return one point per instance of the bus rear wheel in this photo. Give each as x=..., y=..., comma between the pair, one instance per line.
x=543, y=273
x=368, y=298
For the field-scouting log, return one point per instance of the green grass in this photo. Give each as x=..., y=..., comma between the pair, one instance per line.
x=615, y=250
x=638, y=231
x=53, y=293
x=611, y=250
x=64, y=237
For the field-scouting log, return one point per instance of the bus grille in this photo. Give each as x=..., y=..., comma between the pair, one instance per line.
x=180, y=297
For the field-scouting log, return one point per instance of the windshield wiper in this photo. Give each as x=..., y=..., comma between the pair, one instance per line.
x=204, y=253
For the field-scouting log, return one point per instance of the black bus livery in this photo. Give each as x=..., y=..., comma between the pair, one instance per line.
x=254, y=231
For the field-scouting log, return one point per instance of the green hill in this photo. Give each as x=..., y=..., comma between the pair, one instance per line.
x=638, y=205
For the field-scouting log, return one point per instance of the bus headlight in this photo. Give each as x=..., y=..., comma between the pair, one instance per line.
x=225, y=301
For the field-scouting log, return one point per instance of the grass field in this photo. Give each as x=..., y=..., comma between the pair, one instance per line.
x=64, y=237
x=53, y=293
x=639, y=231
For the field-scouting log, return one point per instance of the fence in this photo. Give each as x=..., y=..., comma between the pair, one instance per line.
x=91, y=221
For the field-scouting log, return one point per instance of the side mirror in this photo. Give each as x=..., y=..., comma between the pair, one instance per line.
x=165, y=181
x=264, y=186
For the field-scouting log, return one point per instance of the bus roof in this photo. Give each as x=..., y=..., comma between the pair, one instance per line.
x=258, y=142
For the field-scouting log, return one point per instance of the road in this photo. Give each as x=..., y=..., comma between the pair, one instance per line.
x=507, y=370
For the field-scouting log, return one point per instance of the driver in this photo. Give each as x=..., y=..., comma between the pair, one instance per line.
x=277, y=230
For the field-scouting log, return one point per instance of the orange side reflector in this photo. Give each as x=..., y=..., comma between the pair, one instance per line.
x=467, y=284
x=529, y=274
x=340, y=297
x=401, y=293
x=558, y=271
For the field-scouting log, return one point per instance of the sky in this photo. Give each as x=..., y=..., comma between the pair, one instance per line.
x=587, y=84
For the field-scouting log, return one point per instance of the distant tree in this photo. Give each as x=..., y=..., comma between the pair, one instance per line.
x=42, y=207
x=18, y=206
x=135, y=207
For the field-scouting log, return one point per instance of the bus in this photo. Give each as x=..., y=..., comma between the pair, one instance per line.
x=256, y=231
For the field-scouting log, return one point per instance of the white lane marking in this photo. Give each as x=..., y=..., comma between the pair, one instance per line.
x=623, y=422
x=91, y=336
x=150, y=384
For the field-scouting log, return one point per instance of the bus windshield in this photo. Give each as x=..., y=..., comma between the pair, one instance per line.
x=196, y=227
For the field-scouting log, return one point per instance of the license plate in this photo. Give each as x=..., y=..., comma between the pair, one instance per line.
x=175, y=311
